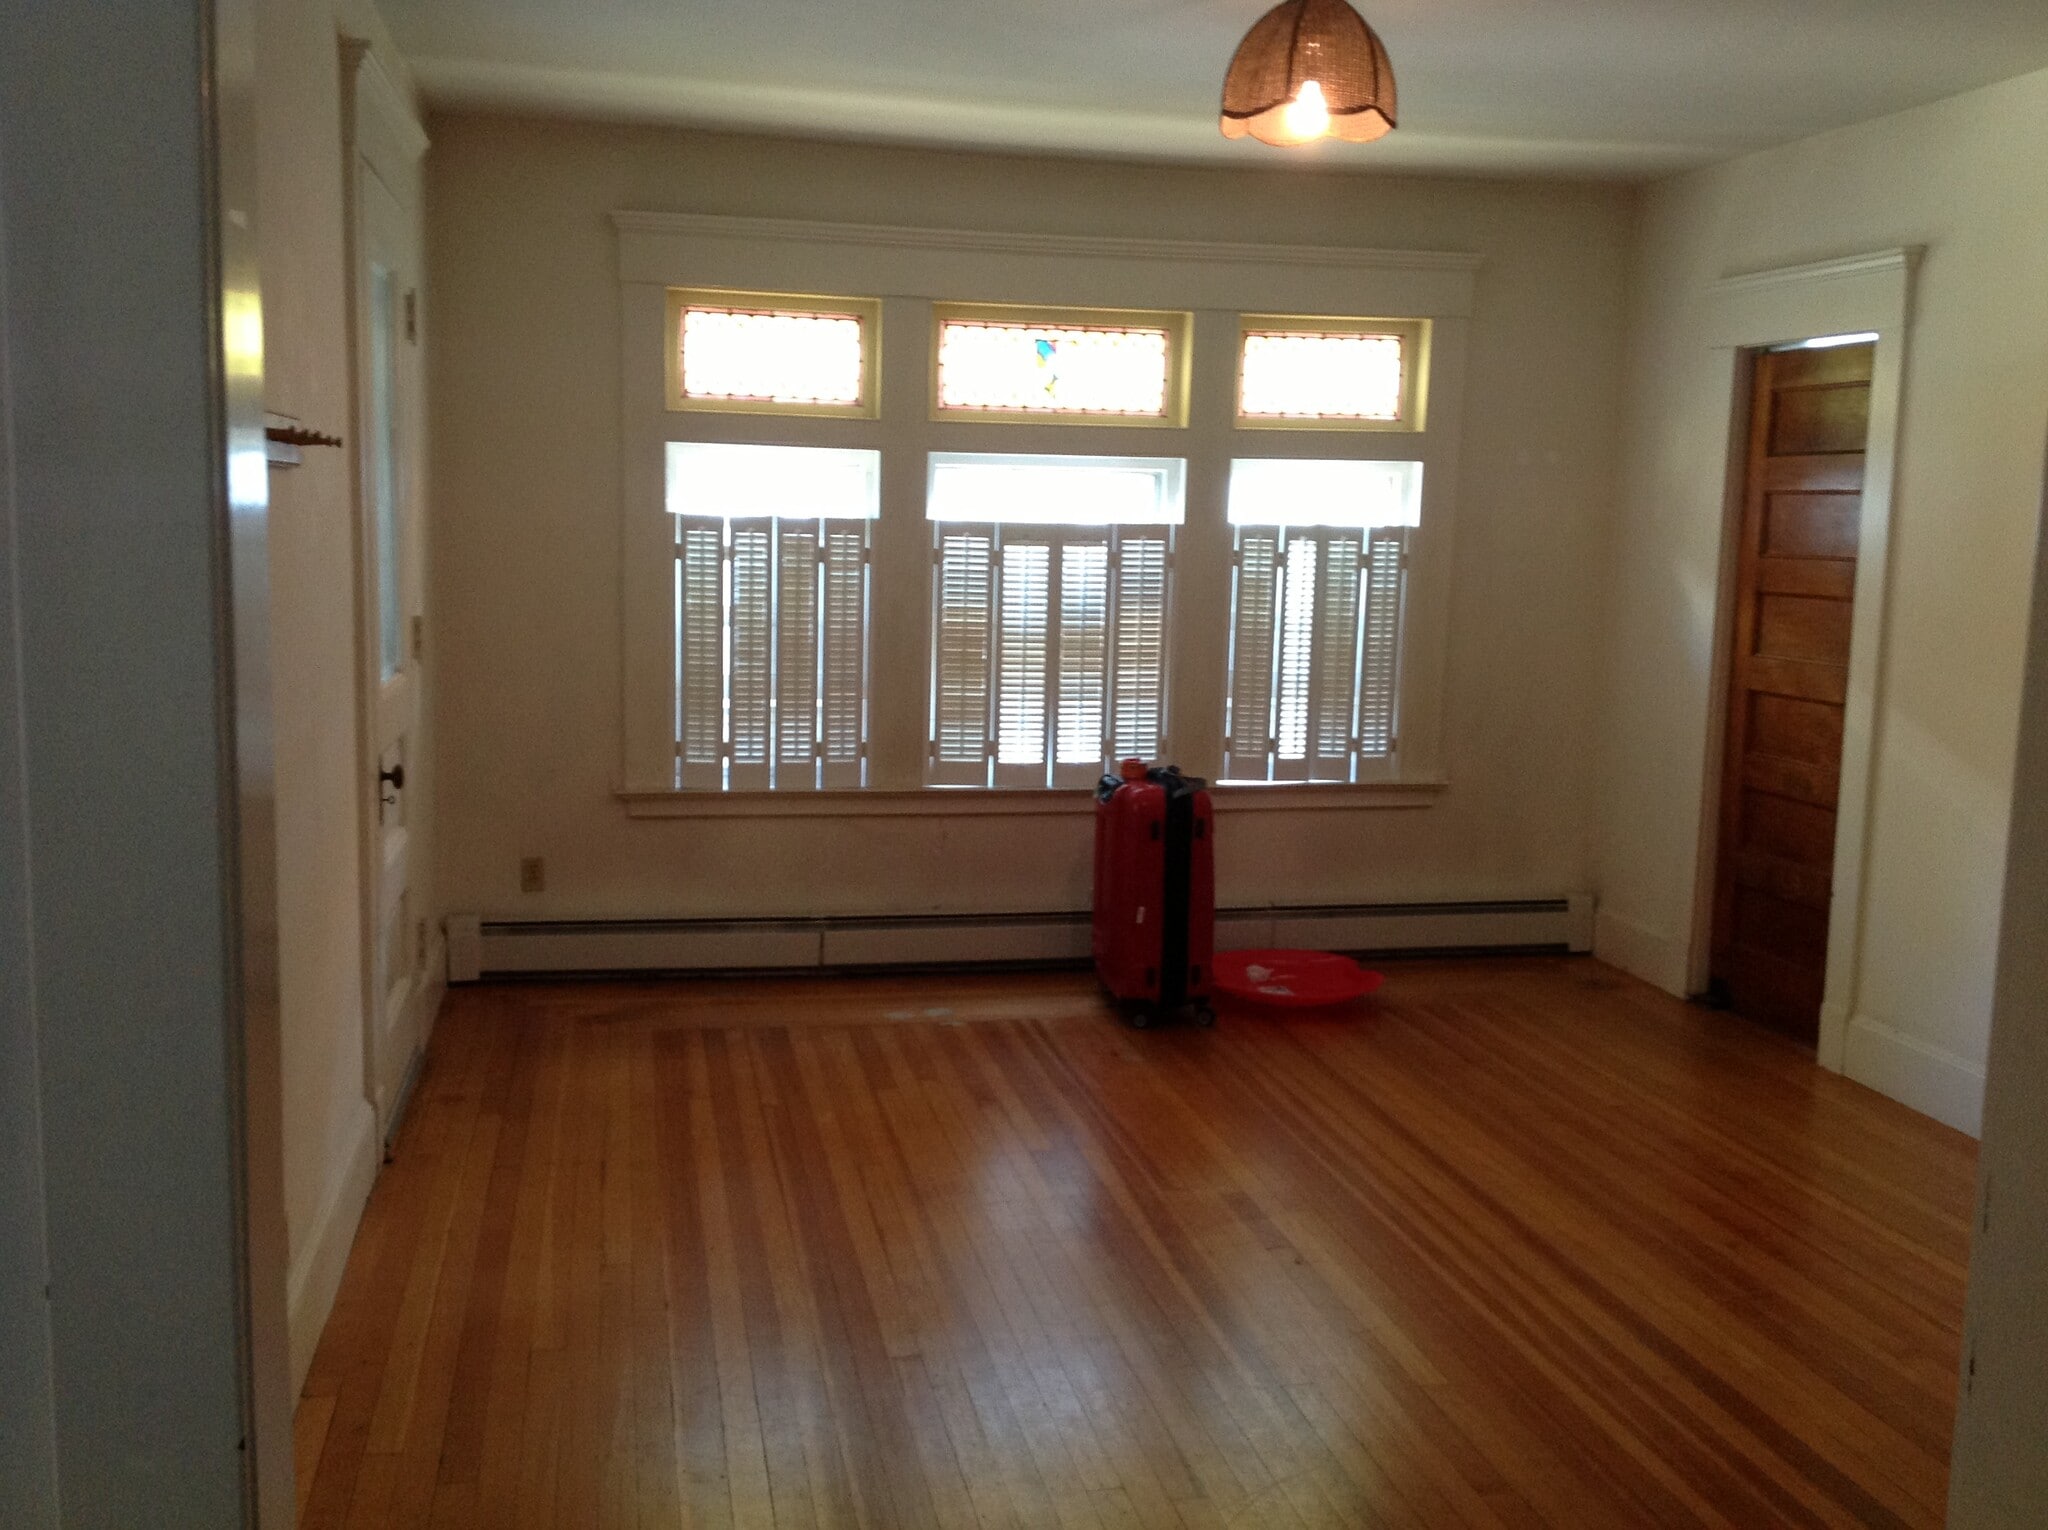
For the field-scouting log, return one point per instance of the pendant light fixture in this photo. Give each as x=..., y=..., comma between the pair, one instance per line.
x=1309, y=69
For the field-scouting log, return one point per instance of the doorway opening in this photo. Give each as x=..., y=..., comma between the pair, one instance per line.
x=1797, y=547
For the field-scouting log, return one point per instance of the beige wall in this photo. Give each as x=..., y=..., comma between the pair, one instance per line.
x=525, y=413
x=330, y=1148
x=1963, y=179
x=1999, y=1473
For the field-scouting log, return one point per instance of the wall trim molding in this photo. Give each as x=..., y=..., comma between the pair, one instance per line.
x=1652, y=955
x=1894, y=264
x=1058, y=246
x=315, y=1277
x=399, y=120
x=512, y=948
x=1852, y=294
x=1931, y=1079
x=931, y=802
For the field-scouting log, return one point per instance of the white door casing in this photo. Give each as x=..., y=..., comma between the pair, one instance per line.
x=1860, y=294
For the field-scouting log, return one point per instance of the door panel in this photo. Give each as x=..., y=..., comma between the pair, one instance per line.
x=1776, y=776
x=1788, y=676
x=1791, y=728
x=1810, y=526
x=1833, y=417
x=386, y=284
x=1803, y=627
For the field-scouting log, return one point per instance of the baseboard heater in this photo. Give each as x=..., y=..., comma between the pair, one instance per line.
x=481, y=948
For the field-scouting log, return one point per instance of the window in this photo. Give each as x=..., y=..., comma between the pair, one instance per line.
x=1347, y=374
x=1315, y=631
x=771, y=603
x=1025, y=364
x=771, y=353
x=1129, y=497
x=1051, y=589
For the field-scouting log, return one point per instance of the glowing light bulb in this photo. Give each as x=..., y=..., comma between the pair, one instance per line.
x=1307, y=115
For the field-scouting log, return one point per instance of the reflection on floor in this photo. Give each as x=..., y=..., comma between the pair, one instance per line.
x=1523, y=1242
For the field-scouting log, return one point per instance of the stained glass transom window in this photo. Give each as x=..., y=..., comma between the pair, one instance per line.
x=1303, y=376
x=1022, y=367
x=780, y=358
x=759, y=352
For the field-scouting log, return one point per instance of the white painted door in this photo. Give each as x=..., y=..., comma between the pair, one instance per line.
x=387, y=317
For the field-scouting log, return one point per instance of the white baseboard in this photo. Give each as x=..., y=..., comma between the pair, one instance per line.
x=435, y=989
x=933, y=942
x=1831, y=1048
x=315, y=1276
x=464, y=945
x=1931, y=1079
x=504, y=948
x=1646, y=953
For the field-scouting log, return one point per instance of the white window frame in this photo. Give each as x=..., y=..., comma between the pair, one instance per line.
x=801, y=699
x=911, y=270
x=1045, y=526
x=1369, y=706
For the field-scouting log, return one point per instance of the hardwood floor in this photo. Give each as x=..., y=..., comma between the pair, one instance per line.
x=1526, y=1243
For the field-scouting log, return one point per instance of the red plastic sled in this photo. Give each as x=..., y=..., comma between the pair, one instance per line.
x=1294, y=979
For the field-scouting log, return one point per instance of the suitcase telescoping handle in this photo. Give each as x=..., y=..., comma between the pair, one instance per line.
x=1126, y=774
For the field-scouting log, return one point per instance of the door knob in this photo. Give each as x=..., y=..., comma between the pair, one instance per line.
x=395, y=775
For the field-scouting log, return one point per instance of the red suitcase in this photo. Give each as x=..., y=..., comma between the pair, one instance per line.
x=1155, y=892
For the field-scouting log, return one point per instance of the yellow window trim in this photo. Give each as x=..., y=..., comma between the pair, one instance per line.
x=867, y=310
x=1414, y=335
x=1176, y=325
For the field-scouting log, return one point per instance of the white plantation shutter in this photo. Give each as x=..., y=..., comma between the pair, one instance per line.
x=842, y=693
x=1256, y=600
x=1386, y=589
x=1050, y=594
x=1056, y=638
x=1082, y=663
x=771, y=653
x=796, y=654
x=1290, y=673
x=751, y=606
x=1333, y=665
x=1315, y=651
x=962, y=648
x=1023, y=644
x=771, y=612
x=1138, y=701
x=700, y=653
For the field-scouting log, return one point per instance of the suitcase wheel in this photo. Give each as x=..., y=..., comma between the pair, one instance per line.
x=1140, y=1018
x=1204, y=1016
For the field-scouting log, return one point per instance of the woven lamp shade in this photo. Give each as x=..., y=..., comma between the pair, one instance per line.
x=1302, y=40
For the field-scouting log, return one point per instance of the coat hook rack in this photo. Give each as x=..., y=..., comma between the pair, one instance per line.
x=283, y=436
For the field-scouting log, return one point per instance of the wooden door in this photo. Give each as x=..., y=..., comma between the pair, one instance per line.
x=1788, y=676
x=389, y=591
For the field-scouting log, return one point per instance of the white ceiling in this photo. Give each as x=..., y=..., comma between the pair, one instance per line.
x=1625, y=88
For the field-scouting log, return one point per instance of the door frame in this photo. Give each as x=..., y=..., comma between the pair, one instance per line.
x=1859, y=294
x=378, y=126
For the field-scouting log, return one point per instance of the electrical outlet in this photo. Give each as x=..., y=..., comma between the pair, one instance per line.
x=533, y=874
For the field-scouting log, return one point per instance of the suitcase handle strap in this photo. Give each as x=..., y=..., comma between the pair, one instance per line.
x=1176, y=784
x=1167, y=776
